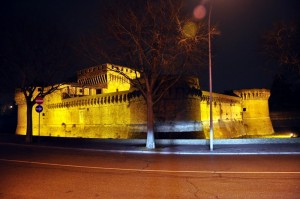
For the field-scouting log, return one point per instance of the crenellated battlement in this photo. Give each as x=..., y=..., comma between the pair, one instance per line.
x=253, y=94
x=219, y=98
x=256, y=111
x=102, y=105
x=102, y=75
x=94, y=100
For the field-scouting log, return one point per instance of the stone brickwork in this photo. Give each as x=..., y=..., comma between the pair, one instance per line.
x=104, y=116
x=255, y=111
x=77, y=111
x=227, y=118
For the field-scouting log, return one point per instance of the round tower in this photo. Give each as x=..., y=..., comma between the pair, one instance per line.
x=255, y=111
x=177, y=114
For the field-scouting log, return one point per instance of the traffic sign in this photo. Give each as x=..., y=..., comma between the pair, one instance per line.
x=39, y=108
x=39, y=100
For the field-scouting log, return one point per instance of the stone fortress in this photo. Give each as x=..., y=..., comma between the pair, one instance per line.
x=103, y=105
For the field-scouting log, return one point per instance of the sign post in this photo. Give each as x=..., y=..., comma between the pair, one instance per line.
x=39, y=109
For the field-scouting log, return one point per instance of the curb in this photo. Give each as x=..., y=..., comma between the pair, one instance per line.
x=269, y=146
x=169, y=151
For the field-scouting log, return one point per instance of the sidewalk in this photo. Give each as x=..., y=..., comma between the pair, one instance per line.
x=183, y=147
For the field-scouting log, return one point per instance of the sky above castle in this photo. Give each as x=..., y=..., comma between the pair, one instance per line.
x=237, y=59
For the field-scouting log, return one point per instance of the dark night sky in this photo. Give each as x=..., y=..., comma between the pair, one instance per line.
x=237, y=60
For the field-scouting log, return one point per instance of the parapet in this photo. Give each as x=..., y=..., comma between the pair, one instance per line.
x=255, y=111
x=253, y=94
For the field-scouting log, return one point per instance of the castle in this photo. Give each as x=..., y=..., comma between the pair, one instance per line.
x=103, y=105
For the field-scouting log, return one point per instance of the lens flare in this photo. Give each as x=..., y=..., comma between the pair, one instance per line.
x=199, y=12
x=190, y=29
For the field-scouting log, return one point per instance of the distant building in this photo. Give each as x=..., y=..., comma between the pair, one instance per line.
x=101, y=104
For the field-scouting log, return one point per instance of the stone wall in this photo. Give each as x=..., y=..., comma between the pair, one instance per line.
x=256, y=111
x=104, y=116
x=174, y=117
x=114, y=115
x=227, y=119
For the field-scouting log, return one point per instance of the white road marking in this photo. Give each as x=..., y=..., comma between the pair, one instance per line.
x=149, y=170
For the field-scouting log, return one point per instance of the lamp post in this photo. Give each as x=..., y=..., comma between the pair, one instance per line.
x=211, y=129
x=199, y=13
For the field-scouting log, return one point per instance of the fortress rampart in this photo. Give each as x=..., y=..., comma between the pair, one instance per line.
x=115, y=116
x=227, y=118
x=255, y=111
x=72, y=111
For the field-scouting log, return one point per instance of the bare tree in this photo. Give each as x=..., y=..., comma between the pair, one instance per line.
x=282, y=43
x=34, y=61
x=157, y=39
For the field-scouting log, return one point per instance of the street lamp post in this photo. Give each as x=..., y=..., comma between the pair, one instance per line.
x=199, y=13
x=211, y=130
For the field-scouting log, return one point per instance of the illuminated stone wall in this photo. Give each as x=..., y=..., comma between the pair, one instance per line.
x=108, y=116
x=22, y=119
x=172, y=115
x=255, y=111
x=105, y=116
x=105, y=78
x=78, y=111
x=114, y=116
x=227, y=119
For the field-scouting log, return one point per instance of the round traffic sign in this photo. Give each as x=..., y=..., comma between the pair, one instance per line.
x=39, y=100
x=39, y=108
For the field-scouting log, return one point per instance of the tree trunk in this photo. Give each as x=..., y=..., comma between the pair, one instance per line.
x=150, y=144
x=28, y=138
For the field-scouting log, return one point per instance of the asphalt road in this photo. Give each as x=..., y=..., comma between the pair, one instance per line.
x=29, y=172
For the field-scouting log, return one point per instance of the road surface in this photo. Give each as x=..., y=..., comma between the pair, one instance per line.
x=30, y=172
